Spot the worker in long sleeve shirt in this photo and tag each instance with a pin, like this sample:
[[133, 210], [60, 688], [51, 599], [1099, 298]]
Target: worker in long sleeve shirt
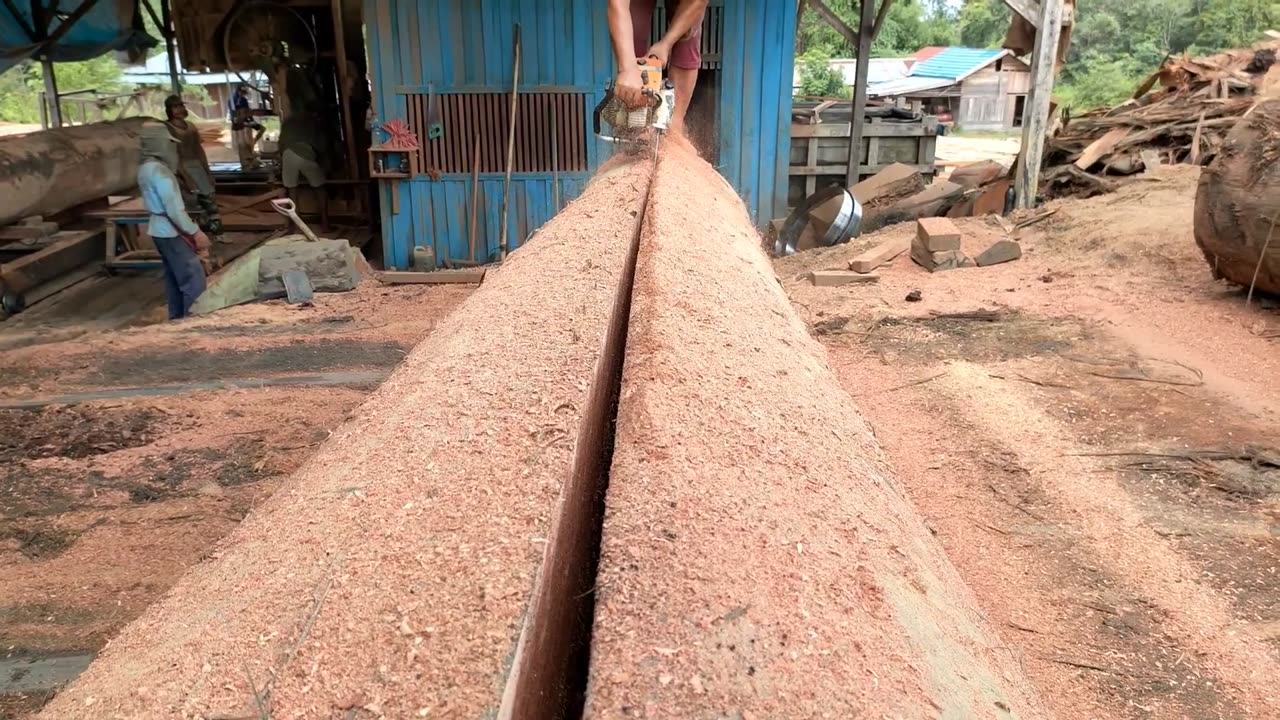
[[177, 237]]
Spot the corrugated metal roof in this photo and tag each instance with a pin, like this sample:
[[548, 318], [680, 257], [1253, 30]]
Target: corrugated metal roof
[[907, 86], [156, 72], [956, 63], [925, 53]]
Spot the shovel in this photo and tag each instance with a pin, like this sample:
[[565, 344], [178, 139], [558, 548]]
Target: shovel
[[285, 207]]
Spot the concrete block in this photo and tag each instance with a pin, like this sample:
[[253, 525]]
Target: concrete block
[[938, 234], [1002, 252]]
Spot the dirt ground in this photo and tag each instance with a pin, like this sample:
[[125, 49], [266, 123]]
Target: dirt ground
[[1096, 449], [104, 503]]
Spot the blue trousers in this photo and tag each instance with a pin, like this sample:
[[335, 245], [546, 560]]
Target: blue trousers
[[183, 275]]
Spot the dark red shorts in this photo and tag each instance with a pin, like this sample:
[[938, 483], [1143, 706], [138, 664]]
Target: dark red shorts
[[687, 53]]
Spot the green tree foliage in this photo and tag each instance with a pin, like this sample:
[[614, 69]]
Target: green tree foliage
[[21, 85], [1115, 43], [910, 25], [983, 23], [1118, 43], [818, 78]]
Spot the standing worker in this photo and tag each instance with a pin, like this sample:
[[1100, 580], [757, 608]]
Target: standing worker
[[303, 147], [183, 246], [193, 164], [246, 131], [680, 50]]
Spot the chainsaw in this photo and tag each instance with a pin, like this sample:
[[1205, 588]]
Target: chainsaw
[[630, 126]]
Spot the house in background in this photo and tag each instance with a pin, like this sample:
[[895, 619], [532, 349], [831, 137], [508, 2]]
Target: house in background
[[980, 89], [154, 75]]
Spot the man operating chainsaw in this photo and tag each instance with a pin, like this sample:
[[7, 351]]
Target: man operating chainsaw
[[680, 50]]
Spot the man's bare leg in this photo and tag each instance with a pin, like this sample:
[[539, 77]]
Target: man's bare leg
[[686, 81]]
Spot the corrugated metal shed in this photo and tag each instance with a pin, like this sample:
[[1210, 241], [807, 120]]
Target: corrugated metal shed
[[456, 56], [956, 63]]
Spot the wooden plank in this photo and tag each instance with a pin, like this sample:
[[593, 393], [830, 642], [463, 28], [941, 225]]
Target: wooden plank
[[869, 130], [467, 277], [1036, 120], [230, 203], [1196, 140], [880, 254], [1103, 146], [839, 170], [836, 278]]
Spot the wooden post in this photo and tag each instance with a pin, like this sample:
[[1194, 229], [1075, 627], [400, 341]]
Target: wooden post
[[51, 92], [344, 89], [1035, 121], [866, 34], [166, 18]]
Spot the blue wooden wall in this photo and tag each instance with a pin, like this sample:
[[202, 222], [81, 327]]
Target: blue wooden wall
[[465, 46]]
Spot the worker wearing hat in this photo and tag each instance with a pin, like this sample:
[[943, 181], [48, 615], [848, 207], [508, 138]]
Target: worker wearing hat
[[183, 246], [193, 164]]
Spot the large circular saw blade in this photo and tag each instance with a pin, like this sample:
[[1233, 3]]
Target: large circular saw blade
[[260, 36]]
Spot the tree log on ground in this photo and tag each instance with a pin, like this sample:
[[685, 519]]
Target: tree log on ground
[[1238, 203]]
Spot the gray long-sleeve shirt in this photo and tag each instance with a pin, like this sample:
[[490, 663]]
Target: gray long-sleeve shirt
[[163, 199]]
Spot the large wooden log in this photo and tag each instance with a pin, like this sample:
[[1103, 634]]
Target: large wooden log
[[46, 172], [758, 560], [390, 576], [1238, 203]]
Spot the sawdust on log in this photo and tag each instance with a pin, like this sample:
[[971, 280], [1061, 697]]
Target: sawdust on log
[[390, 574], [757, 559]]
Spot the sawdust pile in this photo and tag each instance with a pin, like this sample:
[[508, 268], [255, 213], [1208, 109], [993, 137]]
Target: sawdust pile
[[389, 576], [757, 560]]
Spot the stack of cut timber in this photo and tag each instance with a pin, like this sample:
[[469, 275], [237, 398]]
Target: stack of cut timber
[[1184, 119], [937, 245]]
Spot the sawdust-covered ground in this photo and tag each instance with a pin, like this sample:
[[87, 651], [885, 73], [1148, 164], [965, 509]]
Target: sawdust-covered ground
[[104, 503], [1099, 456]]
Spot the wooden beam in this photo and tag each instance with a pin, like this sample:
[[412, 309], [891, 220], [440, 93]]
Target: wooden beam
[[1044, 67], [166, 29], [820, 7], [1031, 11], [866, 28], [65, 26], [344, 89], [20, 20], [1028, 9], [880, 18], [51, 93], [473, 276]]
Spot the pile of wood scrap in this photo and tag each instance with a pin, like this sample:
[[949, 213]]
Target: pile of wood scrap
[[973, 190], [1181, 114], [898, 193]]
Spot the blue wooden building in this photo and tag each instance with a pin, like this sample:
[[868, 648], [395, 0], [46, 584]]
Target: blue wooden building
[[450, 62]]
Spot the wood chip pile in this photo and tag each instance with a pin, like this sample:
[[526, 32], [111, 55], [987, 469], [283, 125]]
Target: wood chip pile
[[1181, 114]]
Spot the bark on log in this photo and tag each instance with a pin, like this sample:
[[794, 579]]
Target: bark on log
[[1238, 202], [46, 172]]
